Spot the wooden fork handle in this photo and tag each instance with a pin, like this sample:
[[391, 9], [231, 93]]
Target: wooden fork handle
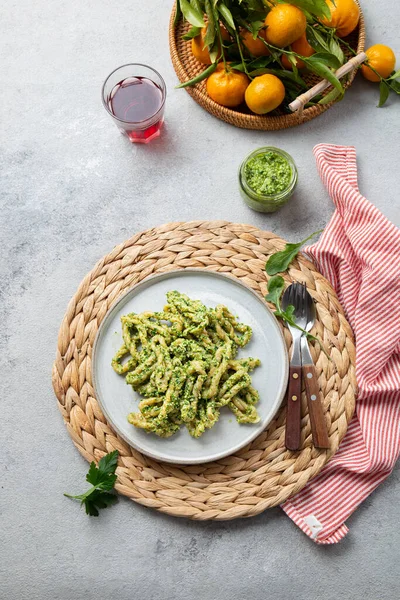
[[315, 409], [293, 410]]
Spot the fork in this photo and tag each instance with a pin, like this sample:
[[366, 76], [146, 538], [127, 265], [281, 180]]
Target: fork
[[293, 296], [319, 428]]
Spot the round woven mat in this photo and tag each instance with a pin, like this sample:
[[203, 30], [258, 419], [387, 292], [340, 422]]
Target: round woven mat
[[264, 473], [187, 66]]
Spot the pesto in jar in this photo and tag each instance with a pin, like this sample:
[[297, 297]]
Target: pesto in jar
[[268, 174]]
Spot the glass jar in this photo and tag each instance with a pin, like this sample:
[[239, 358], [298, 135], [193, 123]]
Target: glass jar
[[262, 202]]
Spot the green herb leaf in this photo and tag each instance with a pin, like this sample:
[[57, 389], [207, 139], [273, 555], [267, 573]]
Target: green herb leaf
[[279, 262], [292, 60], [281, 74], [198, 6], [384, 90], [288, 314], [326, 58], [192, 33], [178, 13], [331, 96], [102, 478], [316, 40], [319, 8], [335, 49], [395, 75], [260, 62], [215, 53], [108, 464], [255, 6], [191, 15], [255, 27], [395, 86], [206, 73], [323, 71], [97, 501], [209, 38], [276, 285], [227, 15]]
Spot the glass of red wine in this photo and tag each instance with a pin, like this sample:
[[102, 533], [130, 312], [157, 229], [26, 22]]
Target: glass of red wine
[[134, 95]]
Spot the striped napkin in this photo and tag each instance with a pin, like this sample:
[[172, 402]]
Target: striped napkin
[[359, 253]]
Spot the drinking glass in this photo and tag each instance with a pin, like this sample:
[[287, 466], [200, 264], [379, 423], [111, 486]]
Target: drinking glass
[[134, 96]]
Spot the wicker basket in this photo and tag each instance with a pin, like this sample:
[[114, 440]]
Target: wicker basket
[[187, 67]]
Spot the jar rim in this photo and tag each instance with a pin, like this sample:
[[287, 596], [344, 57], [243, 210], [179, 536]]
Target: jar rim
[[268, 197]]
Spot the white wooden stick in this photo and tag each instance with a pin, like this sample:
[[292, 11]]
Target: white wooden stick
[[300, 102]]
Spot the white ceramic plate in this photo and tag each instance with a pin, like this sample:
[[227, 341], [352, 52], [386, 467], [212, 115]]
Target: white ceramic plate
[[117, 399]]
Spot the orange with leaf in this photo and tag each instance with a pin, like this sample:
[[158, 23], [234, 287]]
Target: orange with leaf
[[301, 47], [200, 50], [255, 46], [345, 15], [285, 23], [382, 60], [227, 86]]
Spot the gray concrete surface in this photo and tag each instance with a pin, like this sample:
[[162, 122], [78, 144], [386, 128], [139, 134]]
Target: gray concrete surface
[[71, 189]]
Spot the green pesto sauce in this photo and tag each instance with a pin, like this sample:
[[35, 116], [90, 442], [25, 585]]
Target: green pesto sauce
[[268, 174]]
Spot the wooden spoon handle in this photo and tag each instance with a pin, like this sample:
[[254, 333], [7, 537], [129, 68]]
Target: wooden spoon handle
[[315, 409], [293, 410]]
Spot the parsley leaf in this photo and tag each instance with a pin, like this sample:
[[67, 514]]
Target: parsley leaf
[[102, 478]]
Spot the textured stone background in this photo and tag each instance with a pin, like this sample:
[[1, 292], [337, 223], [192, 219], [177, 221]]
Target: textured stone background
[[71, 189]]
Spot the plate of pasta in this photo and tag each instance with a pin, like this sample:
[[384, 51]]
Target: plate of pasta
[[189, 366]]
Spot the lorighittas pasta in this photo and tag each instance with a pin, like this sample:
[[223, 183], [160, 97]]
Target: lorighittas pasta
[[183, 362]]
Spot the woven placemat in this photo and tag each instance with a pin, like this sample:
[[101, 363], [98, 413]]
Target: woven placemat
[[264, 473], [187, 66]]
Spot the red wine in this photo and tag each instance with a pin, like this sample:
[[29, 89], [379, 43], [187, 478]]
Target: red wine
[[135, 99]]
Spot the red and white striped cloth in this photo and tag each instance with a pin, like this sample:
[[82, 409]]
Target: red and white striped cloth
[[359, 253]]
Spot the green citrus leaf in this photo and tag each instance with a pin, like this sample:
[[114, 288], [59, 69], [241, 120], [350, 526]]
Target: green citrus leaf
[[318, 8], [211, 32], [383, 93], [178, 13], [255, 27], [206, 73], [227, 15], [395, 75], [215, 52], [191, 15], [197, 5], [192, 33], [281, 74], [333, 95], [323, 71], [395, 86], [316, 40], [327, 58], [335, 49]]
